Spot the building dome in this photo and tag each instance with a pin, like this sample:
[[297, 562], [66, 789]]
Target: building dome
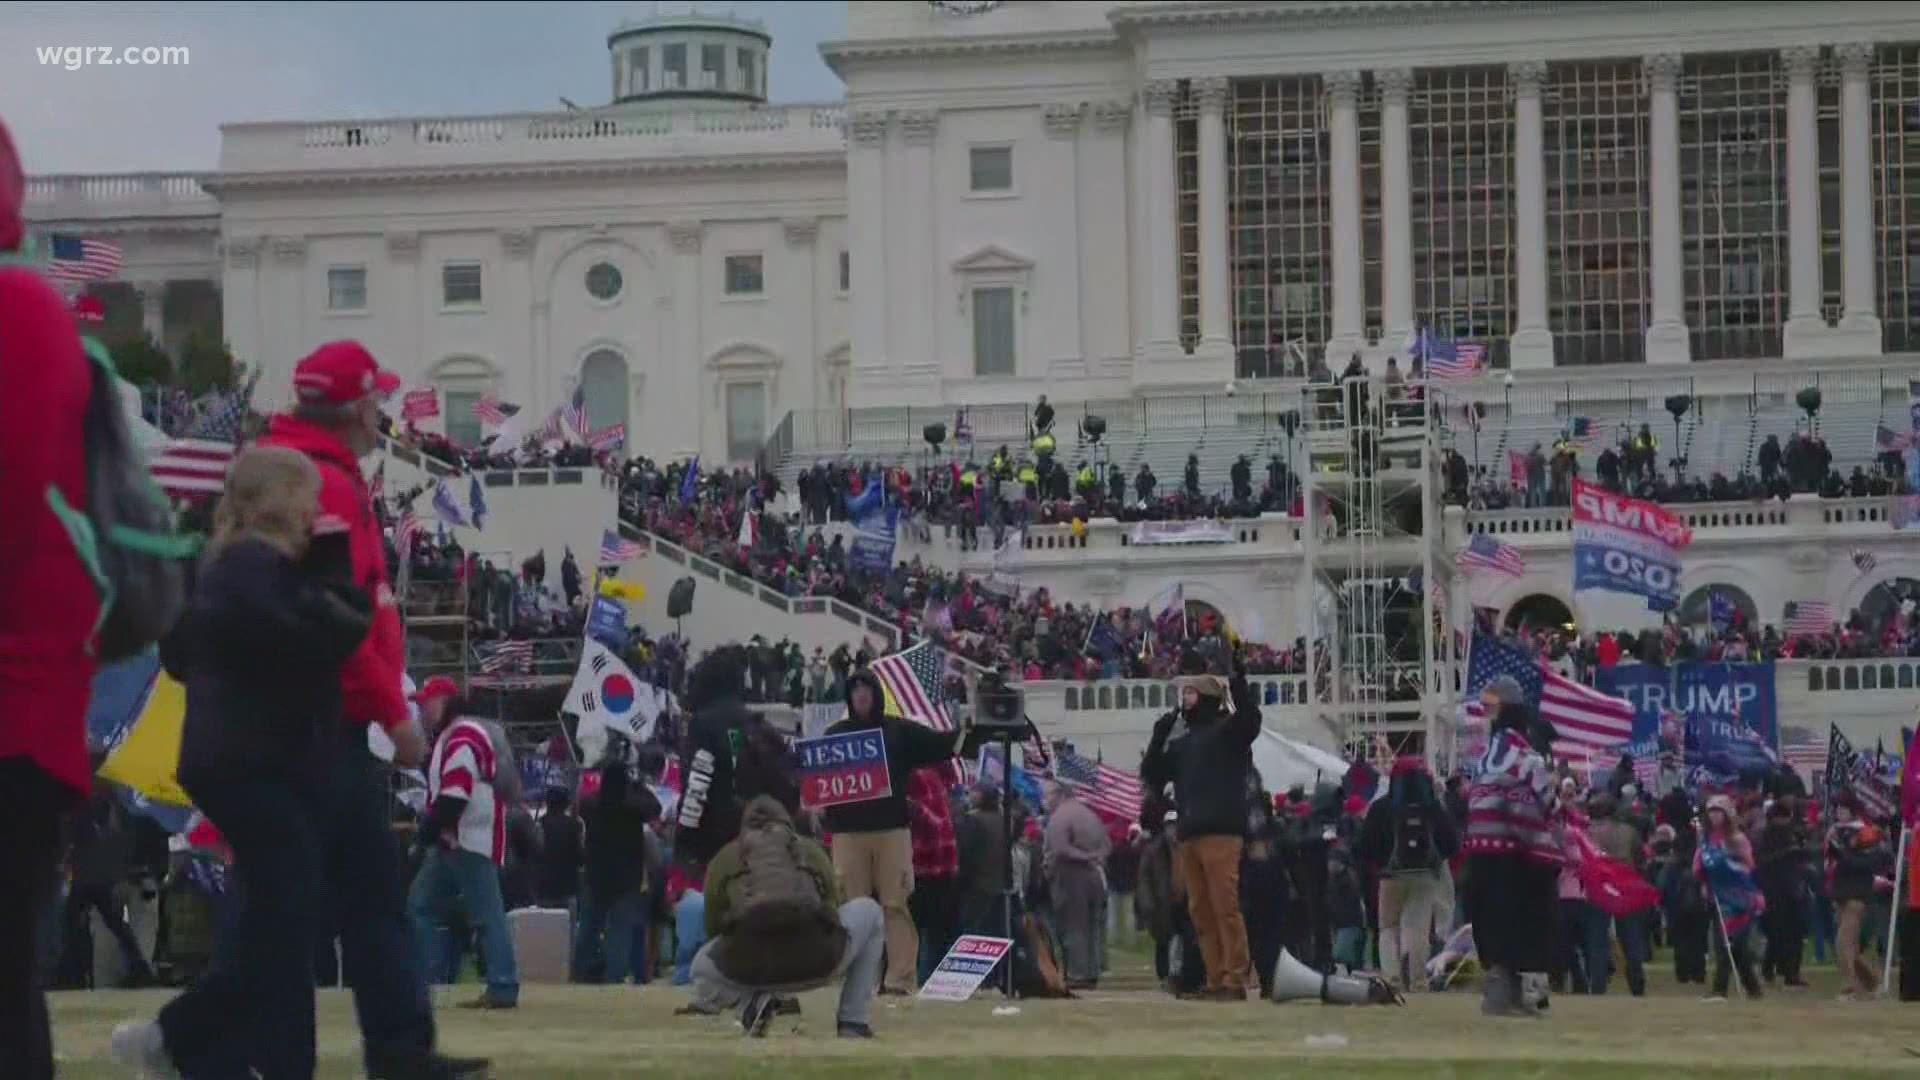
[[689, 56]]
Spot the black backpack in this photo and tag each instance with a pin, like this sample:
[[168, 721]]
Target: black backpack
[[124, 533], [1414, 848]]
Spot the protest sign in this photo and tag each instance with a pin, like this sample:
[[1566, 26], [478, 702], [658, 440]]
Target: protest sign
[[965, 967], [839, 769]]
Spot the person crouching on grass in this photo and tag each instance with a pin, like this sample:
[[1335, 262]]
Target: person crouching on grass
[[776, 926]]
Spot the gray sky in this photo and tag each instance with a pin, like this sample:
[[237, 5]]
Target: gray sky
[[297, 61]]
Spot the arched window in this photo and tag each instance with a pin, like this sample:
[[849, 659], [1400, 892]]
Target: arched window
[[1539, 610], [603, 378], [1697, 608]]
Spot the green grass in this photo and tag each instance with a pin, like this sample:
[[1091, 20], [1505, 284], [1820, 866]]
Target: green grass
[[581, 1033]]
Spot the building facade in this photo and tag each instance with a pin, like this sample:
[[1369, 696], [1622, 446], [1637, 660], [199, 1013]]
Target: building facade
[[1092, 200]]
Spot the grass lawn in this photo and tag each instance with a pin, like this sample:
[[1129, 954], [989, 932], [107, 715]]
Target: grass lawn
[[580, 1033]]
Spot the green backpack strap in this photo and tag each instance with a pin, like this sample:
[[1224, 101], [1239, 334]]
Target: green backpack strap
[[86, 545]]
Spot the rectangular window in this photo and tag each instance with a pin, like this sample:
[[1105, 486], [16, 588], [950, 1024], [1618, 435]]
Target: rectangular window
[[846, 271], [673, 64], [745, 276], [749, 76], [637, 74], [746, 420], [990, 168], [460, 285], [463, 428], [713, 66], [993, 331], [346, 288]]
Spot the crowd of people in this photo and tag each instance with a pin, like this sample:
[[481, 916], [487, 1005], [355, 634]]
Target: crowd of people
[[1543, 476]]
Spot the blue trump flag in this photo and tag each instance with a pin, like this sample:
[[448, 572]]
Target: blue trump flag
[[691, 481], [607, 623], [875, 524], [477, 503], [1727, 721]]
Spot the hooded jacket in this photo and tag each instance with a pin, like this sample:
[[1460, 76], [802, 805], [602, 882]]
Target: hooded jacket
[[910, 746], [370, 679], [48, 603], [1206, 755], [729, 755]]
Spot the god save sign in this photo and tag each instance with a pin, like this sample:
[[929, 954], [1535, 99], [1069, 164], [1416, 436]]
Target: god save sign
[[839, 769], [1626, 545]]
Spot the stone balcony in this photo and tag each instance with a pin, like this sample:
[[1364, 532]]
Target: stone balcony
[[530, 139], [119, 197], [1807, 518]]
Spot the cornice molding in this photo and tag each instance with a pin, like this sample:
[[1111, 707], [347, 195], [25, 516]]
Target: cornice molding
[[208, 226], [839, 54], [506, 171], [1192, 13]]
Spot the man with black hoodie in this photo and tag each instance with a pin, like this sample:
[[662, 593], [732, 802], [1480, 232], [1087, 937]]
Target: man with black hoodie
[[872, 847], [729, 754], [1206, 754]]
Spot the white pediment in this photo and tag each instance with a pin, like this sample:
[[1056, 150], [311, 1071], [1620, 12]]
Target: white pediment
[[993, 259]]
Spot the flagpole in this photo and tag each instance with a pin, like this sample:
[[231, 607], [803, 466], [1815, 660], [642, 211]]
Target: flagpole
[[1726, 942], [1893, 916]]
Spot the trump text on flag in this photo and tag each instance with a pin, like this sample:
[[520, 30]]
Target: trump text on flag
[[1626, 545], [839, 769]]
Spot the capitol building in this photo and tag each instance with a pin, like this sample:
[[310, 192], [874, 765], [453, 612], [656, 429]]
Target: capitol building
[[1096, 200]]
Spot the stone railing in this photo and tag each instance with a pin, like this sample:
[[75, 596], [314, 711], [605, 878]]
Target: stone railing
[[117, 195], [1808, 515], [531, 137]]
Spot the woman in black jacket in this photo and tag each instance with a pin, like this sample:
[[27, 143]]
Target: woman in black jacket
[[271, 620]]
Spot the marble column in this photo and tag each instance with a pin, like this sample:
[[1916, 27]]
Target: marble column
[[1396, 213], [1349, 332], [1859, 321], [689, 436], [1163, 237], [911, 277], [866, 241], [1216, 278], [803, 257], [1806, 324], [153, 311], [1667, 340], [1532, 343], [1064, 341]]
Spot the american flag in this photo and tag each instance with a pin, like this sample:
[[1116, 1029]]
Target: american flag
[[1583, 434], [1114, 794], [1804, 753], [611, 437], [1585, 721], [506, 656], [575, 411], [1448, 360], [1483, 552], [1808, 617], [73, 260], [912, 681], [194, 465], [405, 529], [1864, 561], [616, 549], [488, 411]]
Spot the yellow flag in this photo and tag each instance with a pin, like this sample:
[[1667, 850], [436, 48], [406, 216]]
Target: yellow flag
[[629, 592], [147, 759]]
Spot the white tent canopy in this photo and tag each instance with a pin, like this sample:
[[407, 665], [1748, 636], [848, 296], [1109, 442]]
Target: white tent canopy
[[1285, 763]]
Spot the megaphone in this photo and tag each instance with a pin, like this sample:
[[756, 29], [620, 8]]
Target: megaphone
[[1295, 981]]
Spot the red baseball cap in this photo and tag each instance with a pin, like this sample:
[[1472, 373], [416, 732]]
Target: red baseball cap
[[436, 688], [341, 372]]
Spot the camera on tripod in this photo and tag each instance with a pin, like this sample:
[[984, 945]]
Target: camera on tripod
[[997, 707]]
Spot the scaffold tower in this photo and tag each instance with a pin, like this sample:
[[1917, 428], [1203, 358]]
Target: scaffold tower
[[1374, 553]]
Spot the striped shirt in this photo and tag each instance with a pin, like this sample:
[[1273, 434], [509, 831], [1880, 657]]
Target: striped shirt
[[1506, 807], [463, 768]]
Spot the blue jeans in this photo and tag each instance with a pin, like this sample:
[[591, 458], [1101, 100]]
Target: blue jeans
[[620, 919], [1350, 946], [475, 881], [1633, 947], [689, 933], [1820, 926]]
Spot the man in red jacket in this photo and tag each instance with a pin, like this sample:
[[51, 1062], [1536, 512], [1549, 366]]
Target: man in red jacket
[[338, 390], [47, 611]]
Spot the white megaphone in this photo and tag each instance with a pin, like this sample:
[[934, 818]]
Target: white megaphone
[[1295, 981]]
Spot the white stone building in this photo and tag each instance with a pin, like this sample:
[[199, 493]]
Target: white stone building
[[1094, 200]]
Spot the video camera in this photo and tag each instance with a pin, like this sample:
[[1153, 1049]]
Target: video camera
[[997, 707]]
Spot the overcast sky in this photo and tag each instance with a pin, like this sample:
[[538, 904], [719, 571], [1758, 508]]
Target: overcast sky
[[296, 61]]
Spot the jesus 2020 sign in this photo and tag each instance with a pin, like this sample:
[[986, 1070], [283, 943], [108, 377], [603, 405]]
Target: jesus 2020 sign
[[839, 769]]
